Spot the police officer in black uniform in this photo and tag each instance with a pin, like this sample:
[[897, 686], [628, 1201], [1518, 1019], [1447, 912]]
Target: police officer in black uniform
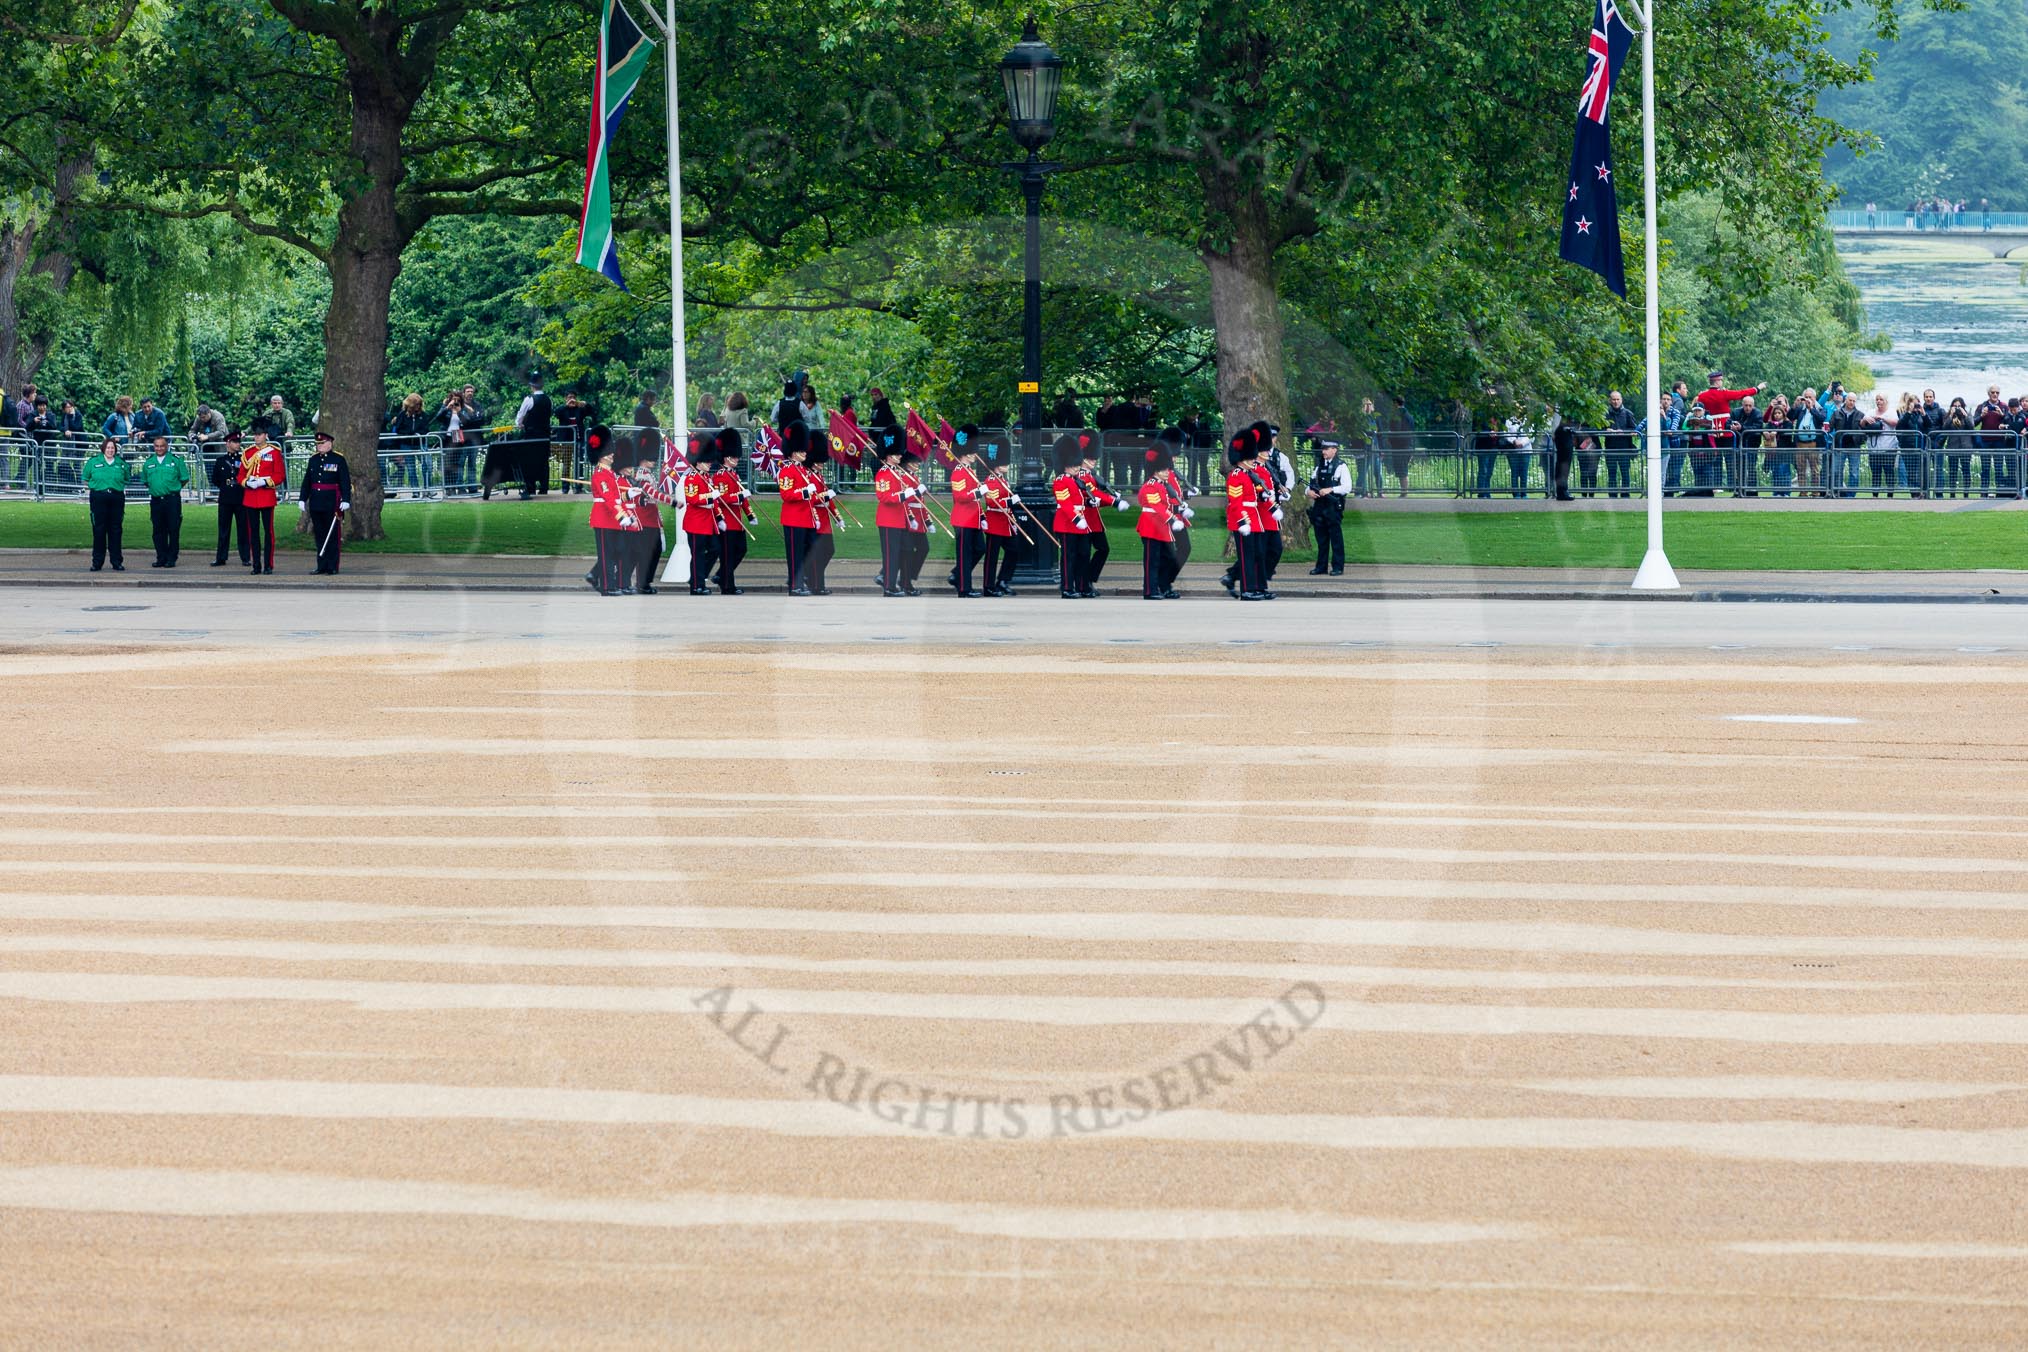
[[325, 494], [224, 477]]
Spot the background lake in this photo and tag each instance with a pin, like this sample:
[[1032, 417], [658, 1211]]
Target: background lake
[[1957, 315]]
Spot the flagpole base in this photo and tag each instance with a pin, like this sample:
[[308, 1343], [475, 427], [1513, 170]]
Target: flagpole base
[[1656, 574], [676, 563]]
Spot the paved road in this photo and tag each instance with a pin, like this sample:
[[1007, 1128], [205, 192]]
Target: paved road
[[400, 619]]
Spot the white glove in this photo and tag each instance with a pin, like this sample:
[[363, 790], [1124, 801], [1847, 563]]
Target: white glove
[[809, 493], [1189, 515], [830, 493], [1278, 516], [910, 492], [256, 482], [1245, 529], [344, 506], [930, 529], [302, 506]]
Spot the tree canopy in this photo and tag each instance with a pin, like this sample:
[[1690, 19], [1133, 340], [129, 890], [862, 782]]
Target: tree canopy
[[1261, 208]]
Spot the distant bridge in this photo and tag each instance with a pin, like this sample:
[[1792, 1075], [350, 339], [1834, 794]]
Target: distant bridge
[[1998, 241]]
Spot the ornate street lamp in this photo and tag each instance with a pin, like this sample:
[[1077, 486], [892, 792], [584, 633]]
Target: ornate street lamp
[[1032, 74]]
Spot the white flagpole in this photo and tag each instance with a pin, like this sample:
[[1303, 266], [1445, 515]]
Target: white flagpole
[[1655, 573], [677, 567]]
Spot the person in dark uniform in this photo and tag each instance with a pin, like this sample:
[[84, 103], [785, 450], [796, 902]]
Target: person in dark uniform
[[326, 494], [531, 429], [1330, 485], [225, 482], [105, 478]]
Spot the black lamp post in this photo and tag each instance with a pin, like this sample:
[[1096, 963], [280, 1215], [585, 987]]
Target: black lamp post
[[1032, 74]]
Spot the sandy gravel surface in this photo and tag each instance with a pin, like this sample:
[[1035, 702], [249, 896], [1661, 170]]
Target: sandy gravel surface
[[797, 995]]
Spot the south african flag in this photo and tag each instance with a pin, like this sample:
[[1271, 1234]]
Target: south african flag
[[623, 55]]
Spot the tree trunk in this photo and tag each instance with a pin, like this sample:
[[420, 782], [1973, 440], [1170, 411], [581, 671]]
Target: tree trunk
[[365, 259], [22, 352], [1246, 319]]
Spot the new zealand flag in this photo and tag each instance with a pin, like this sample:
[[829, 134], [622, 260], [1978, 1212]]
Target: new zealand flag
[[1591, 213]]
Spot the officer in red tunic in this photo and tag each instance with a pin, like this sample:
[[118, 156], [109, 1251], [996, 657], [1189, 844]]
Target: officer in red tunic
[[891, 495], [799, 487], [1163, 457], [968, 499], [260, 475], [648, 502], [1096, 495], [996, 515], [824, 546], [701, 512], [1277, 479], [1242, 517], [1073, 524], [609, 547], [1157, 534], [735, 513], [921, 525]]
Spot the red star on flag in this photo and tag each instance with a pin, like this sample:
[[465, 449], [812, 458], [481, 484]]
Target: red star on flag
[[1583, 226], [1573, 192], [1604, 173]]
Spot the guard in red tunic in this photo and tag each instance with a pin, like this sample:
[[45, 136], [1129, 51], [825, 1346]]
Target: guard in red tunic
[[1073, 523], [968, 500], [891, 515], [701, 512], [609, 557], [1097, 495], [1242, 517], [996, 515], [648, 500], [828, 520], [735, 512], [261, 473], [921, 525], [799, 487], [1163, 456]]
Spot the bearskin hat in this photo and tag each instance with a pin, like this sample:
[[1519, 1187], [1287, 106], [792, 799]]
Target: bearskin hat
[[598, 442], [1066, 454], [797, 438], [728, 443]]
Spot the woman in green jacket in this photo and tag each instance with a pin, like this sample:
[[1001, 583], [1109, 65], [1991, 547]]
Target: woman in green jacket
[[105, 480]]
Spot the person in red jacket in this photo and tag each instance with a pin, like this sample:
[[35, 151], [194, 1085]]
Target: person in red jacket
[[1161, 471], [648, 514], [1156, 536], [996, 514], [891, 514], [1096, 495], [1242, 517], [1073, 520], [260, 474], [734, 514], [823, 546], [1718, 402], [799, 487], [968, 500], [605, 513], [1163, 456], [701, 512], [921, 524]]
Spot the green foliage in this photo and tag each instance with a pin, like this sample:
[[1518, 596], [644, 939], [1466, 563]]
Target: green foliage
[[1945, 111], [1797, 332]]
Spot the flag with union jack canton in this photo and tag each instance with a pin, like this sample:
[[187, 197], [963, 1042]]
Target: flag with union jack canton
[[1591, 211], [767, 454]]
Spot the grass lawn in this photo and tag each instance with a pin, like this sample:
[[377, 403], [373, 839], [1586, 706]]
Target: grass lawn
[[1574, 538]]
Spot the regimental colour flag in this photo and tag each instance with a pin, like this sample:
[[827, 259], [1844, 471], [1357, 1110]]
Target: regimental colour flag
[[623, 54], [848, 439], [1591, 212]]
